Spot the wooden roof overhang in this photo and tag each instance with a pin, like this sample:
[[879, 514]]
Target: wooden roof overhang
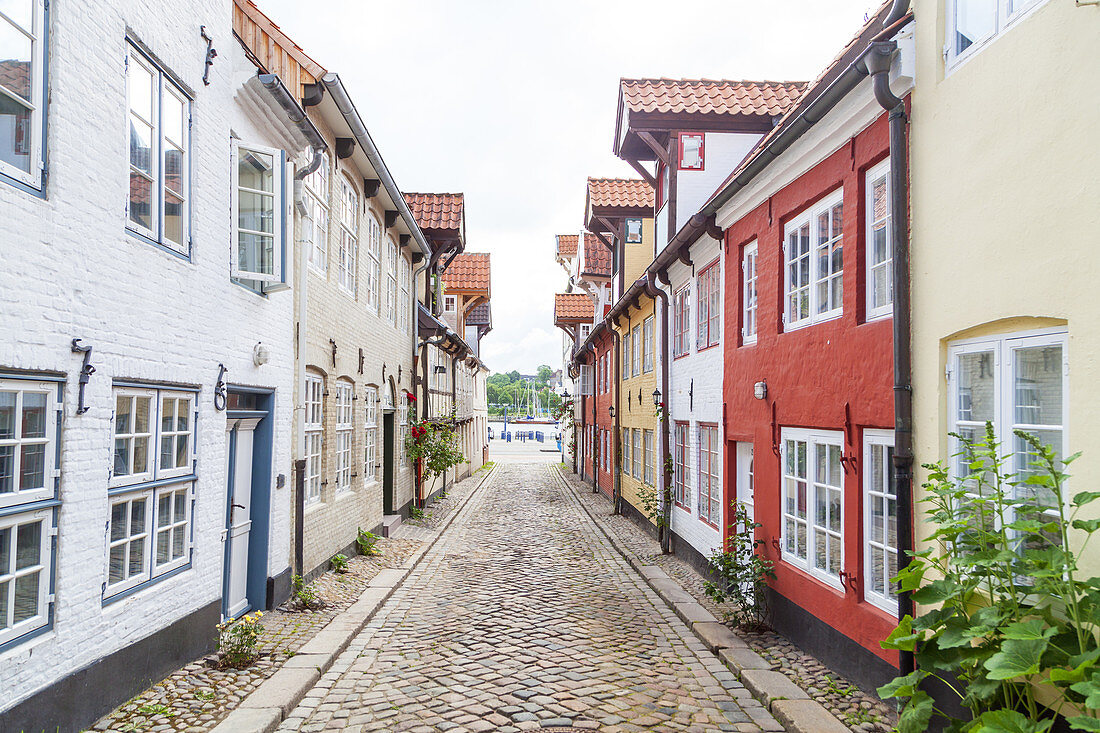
[[644, 136]]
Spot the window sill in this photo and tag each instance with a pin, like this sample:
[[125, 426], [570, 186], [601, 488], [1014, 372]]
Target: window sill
[[31, 634], [708, 347], [709, 523], [880, 316], [159, 245], [748, 342], [797, 564], [17, 181], [823, 318], [109, 600]]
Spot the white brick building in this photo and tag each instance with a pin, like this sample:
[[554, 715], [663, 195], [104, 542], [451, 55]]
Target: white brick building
[[131, 539]]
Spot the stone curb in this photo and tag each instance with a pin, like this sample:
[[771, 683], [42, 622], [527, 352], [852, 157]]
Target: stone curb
[[790, 704], [269, 704]]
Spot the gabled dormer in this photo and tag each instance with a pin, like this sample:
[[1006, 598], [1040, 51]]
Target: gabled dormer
[[594, 272], [466, 285], [619, 213], [684, 136]]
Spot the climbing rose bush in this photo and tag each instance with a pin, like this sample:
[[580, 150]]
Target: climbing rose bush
[[435, 444]]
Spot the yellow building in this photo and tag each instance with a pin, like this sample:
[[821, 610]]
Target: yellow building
[[1006, 228]]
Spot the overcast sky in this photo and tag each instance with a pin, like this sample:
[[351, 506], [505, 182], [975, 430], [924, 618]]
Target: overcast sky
[[512, 102]]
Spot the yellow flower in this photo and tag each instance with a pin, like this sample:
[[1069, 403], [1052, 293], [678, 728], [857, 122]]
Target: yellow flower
[[259, 613]]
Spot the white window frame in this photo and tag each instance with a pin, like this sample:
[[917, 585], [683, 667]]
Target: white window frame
[[278, 226], [585, 330], [162, 84], [314, 429], [708, 315], [36, 104], [871, 225], [1006, 17], [878, 487], [647, 345], [1004, 348], [391, 280], [9, 630], [450, 303], [626, 354], [710, 474], [750, 274], [636, 435], [648, 467], [808, 219], [681, 465], [625, 445], [636, 344], [317, 205], [347, 261], [406, 289], [370, 434], [150, 530], [189, 464], [345, 426], [632, 229], [814, 440], [154, 471], [681, 321], [50, 469], [176, 523], [132, 436]]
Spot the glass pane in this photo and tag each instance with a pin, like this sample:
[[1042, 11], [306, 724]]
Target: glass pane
[[140, 84], [1038, 385], [891, 523], [22, 12], [16, 145], [5, 555], [181, 450], [834, 511], [141, 146], [791, 532], [178, 537], [173, 217], [28, 545], [891, 571], [838, 220], [141, 455], [256, 212], [183, 414], [181, 505], [141, 200], [801, 490], [122, 415], [163, 539], [7, 469], [137, 557], [834, 555], [34, 415], [974, 20], [7, 415], [800, 548], [137, 517], [976, 386], [835, 471], [4, 604], [15, 69], [878, 570], [173, 121], [256, 253], [164, 510], [32, 467], [821, 510], [122, 456], [141, 416], [255, 170], [878, 518], [118, 522], [883, 285], [26, 597], [116, 570]]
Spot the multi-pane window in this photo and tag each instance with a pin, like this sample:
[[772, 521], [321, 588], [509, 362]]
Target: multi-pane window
[[28, 435], [1015, 382], [159, 121], [391, 281], [345, 391], [972, 23], [637, 435], [348, 249], [314, 429], [633, 231], [710, 469], [814, 254], [316, 219], [586, 328], [29, 414], [405, 303], [813, 495], [450, 303], [680, 465], [681, 320], [880, 250], [22, 90], [647, 447], [880, 519], [257, 213], [370, 434], [150, 513], [636, 344], [647, 336], [748, 293], [625, 446], [709, 313], [626, 355]]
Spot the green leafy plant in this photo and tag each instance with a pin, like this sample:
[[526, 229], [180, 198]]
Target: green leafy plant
[[303, 593], [339, 563], [1010, 626], [652, 505], [435, 444], [153, 710], [416, 512], [741, 574], [205, 695], [367, 542], [238, 639]]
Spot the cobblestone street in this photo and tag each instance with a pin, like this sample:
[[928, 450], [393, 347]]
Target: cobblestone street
[[522, 616]]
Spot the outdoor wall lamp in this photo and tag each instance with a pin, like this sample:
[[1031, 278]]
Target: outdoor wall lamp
[[656, 398], [260, 354], [760, 390], [611, 411]]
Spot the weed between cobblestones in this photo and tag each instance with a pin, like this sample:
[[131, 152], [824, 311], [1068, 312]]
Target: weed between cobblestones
[[860, 711]]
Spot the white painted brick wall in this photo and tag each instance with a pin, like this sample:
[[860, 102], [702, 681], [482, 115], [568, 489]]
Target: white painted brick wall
[[706, 369], [70, 270], [722, 152]]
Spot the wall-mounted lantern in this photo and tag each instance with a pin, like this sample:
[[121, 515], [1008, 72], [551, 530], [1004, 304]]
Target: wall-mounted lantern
[[656, 397], [760, 390], [260, 354], [611, 411]]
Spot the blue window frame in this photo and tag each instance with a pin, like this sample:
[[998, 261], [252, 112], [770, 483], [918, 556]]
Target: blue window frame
[[24, 29]]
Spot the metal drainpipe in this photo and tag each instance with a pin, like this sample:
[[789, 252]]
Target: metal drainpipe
[[595, 468], [617, 470], [419, 499], [666, 499], [878, 59]]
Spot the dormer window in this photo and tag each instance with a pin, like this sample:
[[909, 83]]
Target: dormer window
[[691, 151], [448, 304], [633, 231]]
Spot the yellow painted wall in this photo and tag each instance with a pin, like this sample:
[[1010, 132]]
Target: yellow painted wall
[[1005, 200], [633, 415], [638, 256]]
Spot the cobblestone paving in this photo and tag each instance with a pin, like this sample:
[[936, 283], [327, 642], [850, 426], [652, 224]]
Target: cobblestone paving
[[522, 617], [862, 712], [196, 697]]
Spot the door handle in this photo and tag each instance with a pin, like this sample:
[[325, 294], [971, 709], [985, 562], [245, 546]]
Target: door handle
[[237, 506]]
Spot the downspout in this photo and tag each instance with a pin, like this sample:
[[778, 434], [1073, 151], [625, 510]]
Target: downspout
[[878, 59], [595, 442], [665, 533], [419, 498], [617, 470]]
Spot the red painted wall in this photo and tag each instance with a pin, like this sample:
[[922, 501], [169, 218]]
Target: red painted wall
[[605, 345], [816, 375]]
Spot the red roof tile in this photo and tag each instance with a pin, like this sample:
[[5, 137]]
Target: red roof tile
[[597, 257], [480, 316], [709, 96], [620, 192], [436, 210], [468, 271], [573, 307], [567, 245], [16, 77]]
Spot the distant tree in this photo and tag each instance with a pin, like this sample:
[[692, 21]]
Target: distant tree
[[513, 376]]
